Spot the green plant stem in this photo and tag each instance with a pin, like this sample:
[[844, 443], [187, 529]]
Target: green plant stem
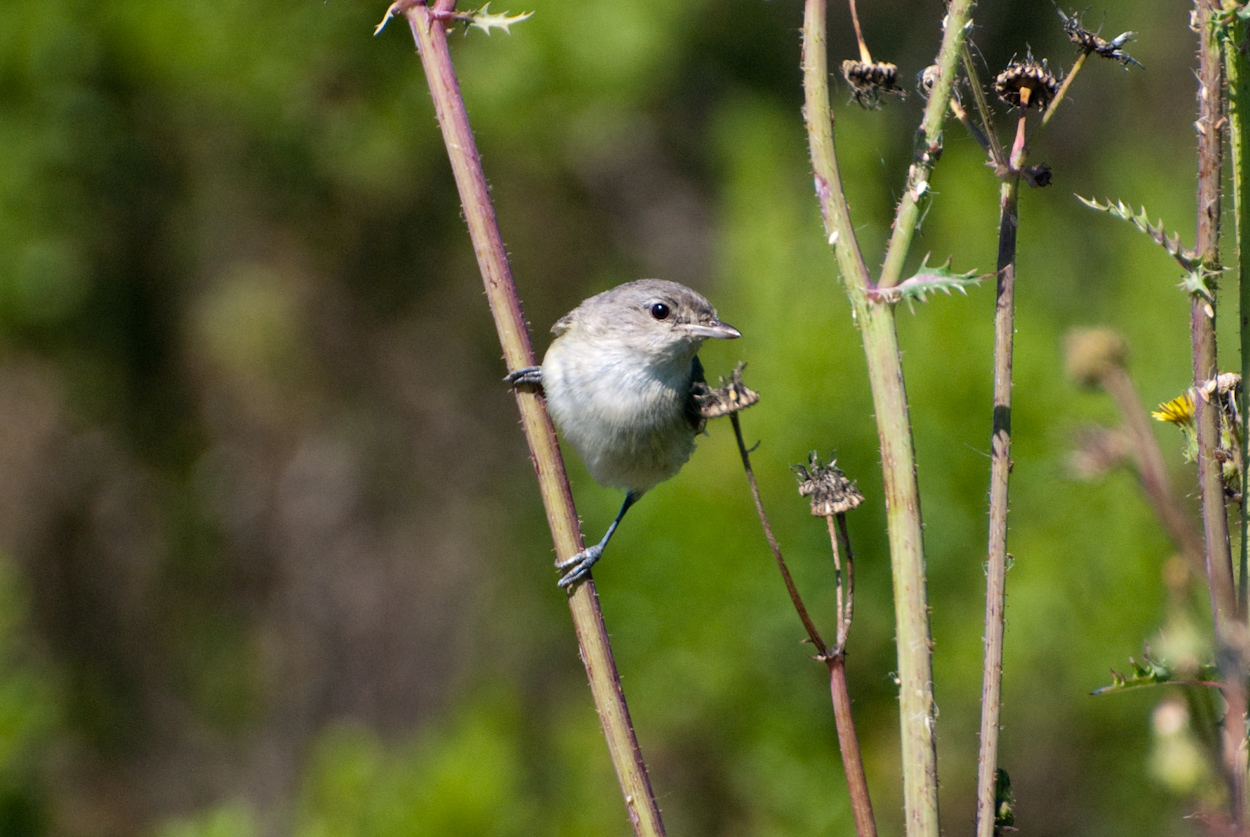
[[917, 712], [430, 34], [1205, 367], [907, 214], [819, 119], [1000, 475]]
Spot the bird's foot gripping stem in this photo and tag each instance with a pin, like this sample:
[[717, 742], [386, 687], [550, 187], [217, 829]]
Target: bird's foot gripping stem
[[526, 376], [578, 567]]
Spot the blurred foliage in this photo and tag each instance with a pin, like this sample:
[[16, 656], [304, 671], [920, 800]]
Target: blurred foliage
[[271, 561]]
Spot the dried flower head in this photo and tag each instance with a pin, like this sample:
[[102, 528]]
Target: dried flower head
[[1224, 389], [1091, 42], [729, 397], [1030, 75], [869, 79], [831, 492]]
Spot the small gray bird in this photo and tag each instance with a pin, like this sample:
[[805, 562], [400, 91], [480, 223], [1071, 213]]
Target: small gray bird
[[620, 381]]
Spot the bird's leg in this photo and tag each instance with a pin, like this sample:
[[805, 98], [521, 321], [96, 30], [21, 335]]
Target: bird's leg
[[529, 375], [578, 567]]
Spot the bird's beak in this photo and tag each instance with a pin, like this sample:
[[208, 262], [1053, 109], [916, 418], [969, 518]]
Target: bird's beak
[[715, 329]]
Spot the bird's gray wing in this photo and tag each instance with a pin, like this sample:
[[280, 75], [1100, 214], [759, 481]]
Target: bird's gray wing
[[698, 386]]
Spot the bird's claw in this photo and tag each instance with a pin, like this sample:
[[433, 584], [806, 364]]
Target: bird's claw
[[526, 376], [578, 567]]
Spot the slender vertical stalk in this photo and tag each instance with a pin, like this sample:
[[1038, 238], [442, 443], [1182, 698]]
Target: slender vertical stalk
[[1202, 313], [848, 742], [907, 214], [428, 28], [1202, 329], [917, 712], [1000, 473], [834, 659], [1238, 126], [848, 745], [916, 707]]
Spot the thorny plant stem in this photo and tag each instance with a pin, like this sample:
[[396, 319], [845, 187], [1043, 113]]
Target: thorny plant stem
[[1000, 475], [1009, 169], [1202, 325], [1239, 134], [907, 214], [834, 659], [428, 28], [917, 712]]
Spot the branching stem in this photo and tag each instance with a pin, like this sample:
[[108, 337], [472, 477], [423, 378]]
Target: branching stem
[[833, 658], [917, 711]]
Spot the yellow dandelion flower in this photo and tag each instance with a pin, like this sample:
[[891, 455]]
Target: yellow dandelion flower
[[1178, 411]]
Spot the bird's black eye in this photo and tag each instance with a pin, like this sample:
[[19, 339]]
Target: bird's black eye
[[660, 311]]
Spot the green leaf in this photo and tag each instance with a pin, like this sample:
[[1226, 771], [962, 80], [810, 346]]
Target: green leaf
[[926, 281], [1188, 258], [1152, 672]]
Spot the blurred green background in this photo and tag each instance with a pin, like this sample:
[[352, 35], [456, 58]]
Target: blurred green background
[[271, 556]]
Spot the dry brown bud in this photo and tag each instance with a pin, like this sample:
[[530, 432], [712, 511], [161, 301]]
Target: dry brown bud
[[869, 80], [1028, 75], [831, 492], [729, 397]]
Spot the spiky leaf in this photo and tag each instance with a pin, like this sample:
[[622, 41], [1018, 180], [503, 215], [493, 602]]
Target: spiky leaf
[[1188, 258], [1152, 672], [484, 20], [926, 281]]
